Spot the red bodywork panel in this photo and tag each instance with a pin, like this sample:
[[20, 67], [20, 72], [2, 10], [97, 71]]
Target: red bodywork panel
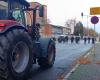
[[6, 23]]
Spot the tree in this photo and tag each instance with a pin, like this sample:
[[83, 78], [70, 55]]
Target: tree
[[78, 29], [89, 32], [92, 33]]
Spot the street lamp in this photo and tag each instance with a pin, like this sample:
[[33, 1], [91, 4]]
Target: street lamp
[[87, 22]]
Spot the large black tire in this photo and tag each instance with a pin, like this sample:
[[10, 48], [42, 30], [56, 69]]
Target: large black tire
[[15, 46], [48, 61]]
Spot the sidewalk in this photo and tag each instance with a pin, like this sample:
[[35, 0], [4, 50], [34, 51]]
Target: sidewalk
[[89, 67]]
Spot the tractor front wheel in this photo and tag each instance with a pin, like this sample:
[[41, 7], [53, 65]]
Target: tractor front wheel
[[48, 61]]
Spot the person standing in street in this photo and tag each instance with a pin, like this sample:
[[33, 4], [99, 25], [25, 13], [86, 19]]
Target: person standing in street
[[66, 39], [85, 40], [89, 40], [72, 39], [93, 40], [77, 38]]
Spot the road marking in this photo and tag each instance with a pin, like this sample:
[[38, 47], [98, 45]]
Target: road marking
[[87, 54], [76, 66]]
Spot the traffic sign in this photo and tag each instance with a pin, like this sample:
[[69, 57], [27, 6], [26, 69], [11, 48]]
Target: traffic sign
[[94, 10], [94, 20]]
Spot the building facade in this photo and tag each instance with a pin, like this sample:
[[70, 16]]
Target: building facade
[[66, 30], [71, 23], [60, 30]]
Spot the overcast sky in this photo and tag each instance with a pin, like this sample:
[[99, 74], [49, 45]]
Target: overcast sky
[[61, 10]]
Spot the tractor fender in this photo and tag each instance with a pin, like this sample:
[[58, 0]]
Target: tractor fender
[[6, 25], [13, 27], [44, 43]]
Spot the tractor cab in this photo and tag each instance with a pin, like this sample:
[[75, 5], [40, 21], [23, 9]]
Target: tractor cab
[[12, 10], [19, 10], [8, 8]]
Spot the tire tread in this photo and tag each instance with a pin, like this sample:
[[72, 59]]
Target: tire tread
[[5, 42]]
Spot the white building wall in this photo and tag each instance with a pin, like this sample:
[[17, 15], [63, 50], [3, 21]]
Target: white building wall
[[71, 24]]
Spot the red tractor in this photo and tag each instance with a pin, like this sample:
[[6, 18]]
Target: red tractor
[[20, 43]]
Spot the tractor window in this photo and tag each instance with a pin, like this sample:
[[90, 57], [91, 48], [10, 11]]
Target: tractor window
[[3, 10], [17, 15], [17, 12]]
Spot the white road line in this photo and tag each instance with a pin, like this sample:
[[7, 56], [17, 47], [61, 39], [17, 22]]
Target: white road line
[[66, 77], [87, 54], [74, 68]]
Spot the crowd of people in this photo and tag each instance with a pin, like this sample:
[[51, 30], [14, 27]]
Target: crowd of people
[[75, 39], [89, 39]]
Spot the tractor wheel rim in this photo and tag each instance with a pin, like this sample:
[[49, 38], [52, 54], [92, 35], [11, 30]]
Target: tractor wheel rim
[[20, 57]]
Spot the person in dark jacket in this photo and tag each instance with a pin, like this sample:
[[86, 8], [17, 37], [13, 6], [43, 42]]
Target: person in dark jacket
[[72, 39], [77, 39], [66, 39], [85, 40], [89, 39], [93, 40]]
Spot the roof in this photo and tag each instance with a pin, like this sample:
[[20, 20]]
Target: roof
[[23, 2], [34, 4], [59, 26]]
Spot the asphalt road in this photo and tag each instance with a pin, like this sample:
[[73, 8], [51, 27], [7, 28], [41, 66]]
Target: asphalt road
[[66, 54]]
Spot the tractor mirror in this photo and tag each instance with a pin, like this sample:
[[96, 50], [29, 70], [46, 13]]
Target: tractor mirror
[[41, 11]]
